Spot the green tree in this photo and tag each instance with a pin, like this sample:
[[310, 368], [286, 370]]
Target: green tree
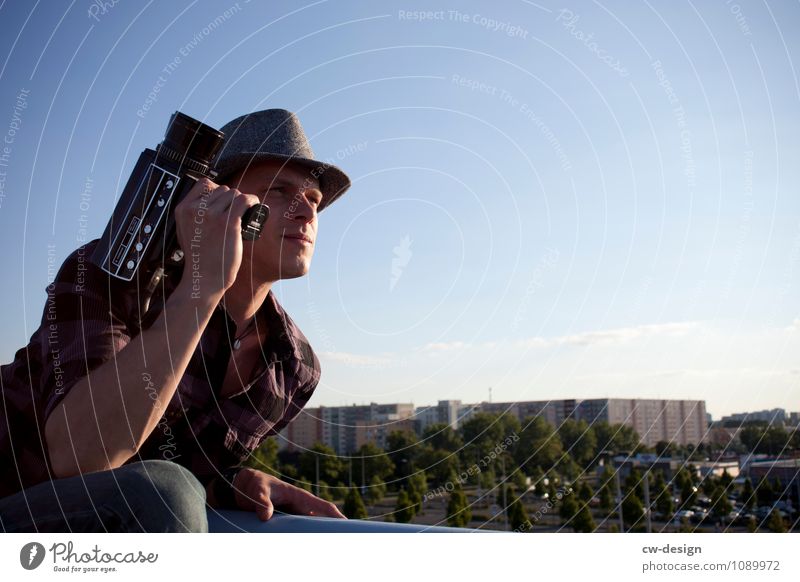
[[568, 509], [748, 495], [688, 494], [663, 496], [568, 468], [776, 440], [751, 436], [764, 493], [708, 485], [404, 511], [265, 458], [578, 440], [520, 481], [458, 511], [777, 489], [375, 491], [442, 437], [720, 506], [583, 522], [417, 487], [684, 481], [539, 446], [606, 493], [614, 438], [402, 448], [775, 522], [323, 491], [632, 511], [440, 466], [634, 483], [517, 516], [486, 437], [763, 439], [487, 479], [369, 461], [353, 505], [585, 492], [324, 457], [665, 448]]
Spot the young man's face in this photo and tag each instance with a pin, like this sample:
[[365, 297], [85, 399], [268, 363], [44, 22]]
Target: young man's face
[[287, 240]]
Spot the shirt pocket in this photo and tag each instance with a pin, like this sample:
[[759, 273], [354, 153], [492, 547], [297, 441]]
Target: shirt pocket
[[250, 415]]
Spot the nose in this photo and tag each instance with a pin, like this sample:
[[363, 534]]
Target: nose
[[306, 209]]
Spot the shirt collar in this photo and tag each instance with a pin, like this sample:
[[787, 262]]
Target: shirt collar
[[280, 343]]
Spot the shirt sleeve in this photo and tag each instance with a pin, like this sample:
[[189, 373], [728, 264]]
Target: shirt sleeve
[[295, 406], [82, 328]]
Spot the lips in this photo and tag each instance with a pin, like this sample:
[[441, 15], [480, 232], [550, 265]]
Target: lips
[[299, 237]]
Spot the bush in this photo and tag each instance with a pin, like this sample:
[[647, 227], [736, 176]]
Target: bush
[[354, 505]]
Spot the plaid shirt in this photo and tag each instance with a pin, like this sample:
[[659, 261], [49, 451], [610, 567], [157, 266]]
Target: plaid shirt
[[81, 329]]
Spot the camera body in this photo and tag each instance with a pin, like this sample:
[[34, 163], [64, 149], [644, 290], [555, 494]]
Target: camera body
[[140, 239]]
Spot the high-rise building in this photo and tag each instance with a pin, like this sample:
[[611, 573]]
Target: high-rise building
[[449, 412], [303, 432], [678, 421], [346, 428], [774, 416]]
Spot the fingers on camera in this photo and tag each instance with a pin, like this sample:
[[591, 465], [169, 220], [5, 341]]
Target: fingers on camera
[[241, 203], [220, 199], [204, 187]]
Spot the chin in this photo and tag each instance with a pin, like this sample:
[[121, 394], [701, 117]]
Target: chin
[[293, 271]]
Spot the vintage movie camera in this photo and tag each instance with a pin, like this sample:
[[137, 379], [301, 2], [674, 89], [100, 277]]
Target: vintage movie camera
[[140, 239]]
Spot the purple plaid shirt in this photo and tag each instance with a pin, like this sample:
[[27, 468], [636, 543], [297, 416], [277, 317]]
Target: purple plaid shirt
[[81, 329]]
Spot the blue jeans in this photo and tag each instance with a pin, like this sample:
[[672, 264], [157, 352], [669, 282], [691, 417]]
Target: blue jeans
[[148, 496]]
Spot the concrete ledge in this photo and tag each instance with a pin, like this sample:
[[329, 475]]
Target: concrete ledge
[[247, 522]]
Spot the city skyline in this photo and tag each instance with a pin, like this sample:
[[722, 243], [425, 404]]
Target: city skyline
[[751, 415]]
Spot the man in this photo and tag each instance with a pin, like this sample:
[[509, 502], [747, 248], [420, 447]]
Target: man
[[115, 421]]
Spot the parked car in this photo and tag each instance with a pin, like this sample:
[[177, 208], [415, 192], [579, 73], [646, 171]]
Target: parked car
[[699, 516], [761, 512], [734, 517], [683, 513]]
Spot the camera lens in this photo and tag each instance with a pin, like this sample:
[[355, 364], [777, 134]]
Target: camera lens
[[193, 139]]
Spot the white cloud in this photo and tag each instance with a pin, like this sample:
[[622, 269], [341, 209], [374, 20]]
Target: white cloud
[[358, 360]]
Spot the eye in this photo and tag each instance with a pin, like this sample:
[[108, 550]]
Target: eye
[[276, 190]]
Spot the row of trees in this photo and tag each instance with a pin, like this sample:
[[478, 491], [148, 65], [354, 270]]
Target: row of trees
[[488, 450], [686, 488], [771, 440]]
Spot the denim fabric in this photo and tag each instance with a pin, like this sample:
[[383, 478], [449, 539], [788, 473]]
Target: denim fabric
[[148, 496]]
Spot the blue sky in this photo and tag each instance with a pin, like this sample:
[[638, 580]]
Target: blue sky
[[561, 200]]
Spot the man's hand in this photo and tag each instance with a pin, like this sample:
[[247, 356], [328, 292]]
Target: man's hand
[[209, 229], [259, 492]]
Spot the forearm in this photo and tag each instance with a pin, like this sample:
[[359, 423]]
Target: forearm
[[106, 417]]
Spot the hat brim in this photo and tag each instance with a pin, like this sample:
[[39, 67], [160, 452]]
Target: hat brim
[[333, 182]]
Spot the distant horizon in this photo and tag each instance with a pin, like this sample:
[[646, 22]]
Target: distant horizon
[[473, 403]]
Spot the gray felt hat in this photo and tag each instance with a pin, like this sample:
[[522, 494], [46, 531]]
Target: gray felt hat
[[276, 134]]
